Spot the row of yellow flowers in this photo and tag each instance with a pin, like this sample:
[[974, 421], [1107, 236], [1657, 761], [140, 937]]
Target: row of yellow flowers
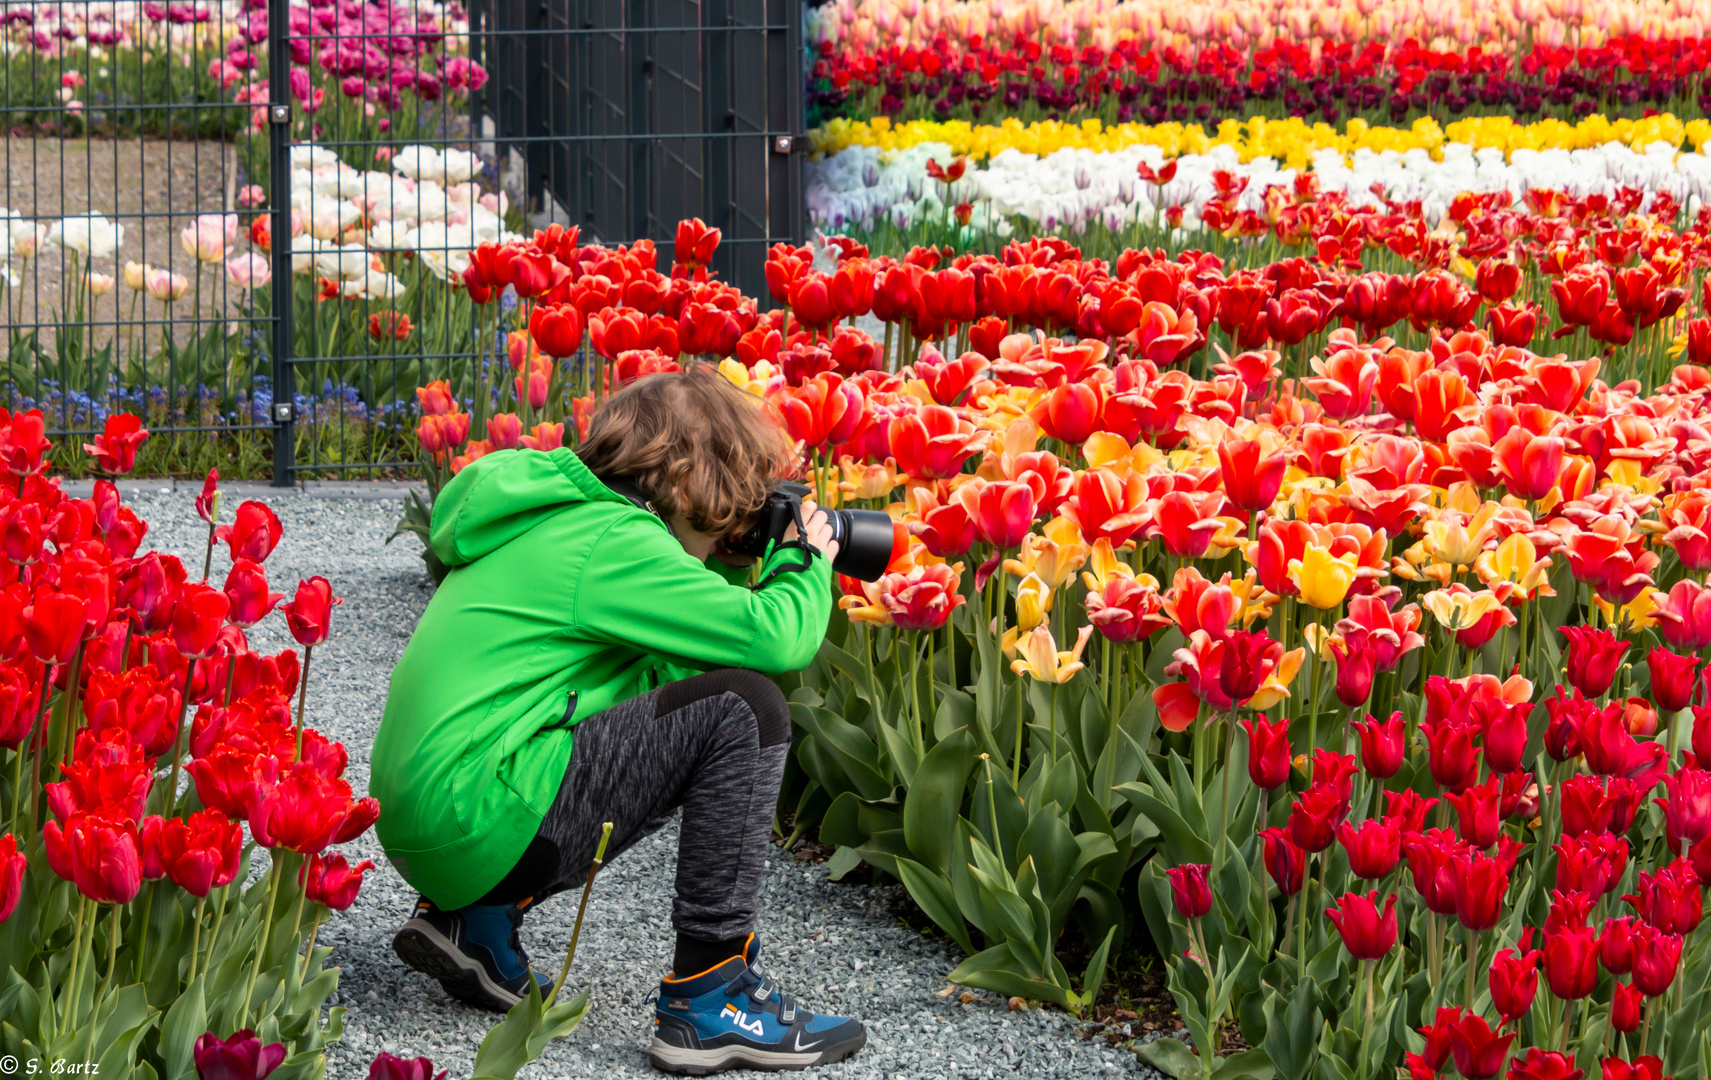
[[1293, 141]]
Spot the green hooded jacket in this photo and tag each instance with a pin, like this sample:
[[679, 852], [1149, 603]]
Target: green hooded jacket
[[559, 587]]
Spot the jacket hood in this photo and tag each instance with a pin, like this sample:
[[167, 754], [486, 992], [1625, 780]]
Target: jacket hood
[[501, 496]]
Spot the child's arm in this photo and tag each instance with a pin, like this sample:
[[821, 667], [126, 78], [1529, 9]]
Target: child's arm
[[640, 588]]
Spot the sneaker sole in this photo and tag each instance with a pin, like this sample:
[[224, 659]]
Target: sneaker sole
[[427, 950], [689, 1061]]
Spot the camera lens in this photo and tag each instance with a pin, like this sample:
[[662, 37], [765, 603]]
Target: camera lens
[[864, 543]]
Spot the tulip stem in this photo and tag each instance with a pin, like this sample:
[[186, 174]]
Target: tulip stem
[[302, 695], [309, 953], [1646, 1027], [1567, 1023], [1371, 978], [1301, 940], [219, 924], [1313, 717], [208, 556], [35, 744], [195, 941], [178, 740], [69, 994], [1472, 964], [1229, 767], [274, 873], [581, 908], [113, 929]]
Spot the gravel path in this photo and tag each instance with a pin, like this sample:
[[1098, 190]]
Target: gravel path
[[838, 947]]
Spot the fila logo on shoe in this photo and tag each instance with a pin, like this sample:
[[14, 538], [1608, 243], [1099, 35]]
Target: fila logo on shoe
[[741, 1019]]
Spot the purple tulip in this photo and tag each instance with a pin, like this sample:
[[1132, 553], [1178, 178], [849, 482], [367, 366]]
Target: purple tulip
[[241, 1057]]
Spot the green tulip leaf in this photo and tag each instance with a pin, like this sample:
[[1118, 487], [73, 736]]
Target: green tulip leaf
[[1172, 1057], [933, 893]]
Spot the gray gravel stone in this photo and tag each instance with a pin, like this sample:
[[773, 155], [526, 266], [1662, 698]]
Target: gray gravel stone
[[838, 947]]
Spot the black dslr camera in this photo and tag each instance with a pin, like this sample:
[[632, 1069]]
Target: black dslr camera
[[863, 536]]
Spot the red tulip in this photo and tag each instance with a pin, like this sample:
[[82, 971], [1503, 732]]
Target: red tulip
[[305, 811], [1450, 753], [1251, 477], [1544, 1065], [1529, 464], [1373, 848], [246, 590], [1672, 677], [1408, 809], [1590, 863], [933, 442], [330, 880], [197, 618], [100, 855], [1315, 815], [557, 329], [1571, 962], [1625, 1002], [1684, 616], [1070, 412], [1477, 815], [23, 443], [1431, 861], [1004, 513], [1437, 1050], [1356, 664], [1513, 326], [1687, 811], [695, 243], [1478, 1051], [811, 301], [54, 625], [201, 852], [1497, 280], [231, 780], [1186, 521], [1481, 882], [254, 532], [1248, 659], [1594, 655], [1381, 745], [1657, 954], [114, 788], [1514, 979], [1669, 898], [1366, 933], [12, 865], [115, 449], [1189, 890], [1649, 1067], [1268, 752], [1284, 860], [1106, 506], [309, 614]]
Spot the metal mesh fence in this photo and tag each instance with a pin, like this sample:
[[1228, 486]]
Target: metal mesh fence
[[248, 221], [128, 285]]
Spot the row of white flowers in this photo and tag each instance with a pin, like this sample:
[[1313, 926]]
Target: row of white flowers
[[1070, 189]]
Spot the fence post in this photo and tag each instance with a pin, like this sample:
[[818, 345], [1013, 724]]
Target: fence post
[[279, 186]]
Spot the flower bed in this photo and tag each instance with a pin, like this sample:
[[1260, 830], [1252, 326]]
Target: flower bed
[[1279, 614]]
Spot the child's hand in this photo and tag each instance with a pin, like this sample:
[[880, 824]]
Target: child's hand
[[819, 530]]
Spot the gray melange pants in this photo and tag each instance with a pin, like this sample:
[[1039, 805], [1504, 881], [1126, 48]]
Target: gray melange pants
[[715, 745]]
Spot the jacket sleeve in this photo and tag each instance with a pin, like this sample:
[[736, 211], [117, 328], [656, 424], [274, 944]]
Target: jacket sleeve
[[640, 588]]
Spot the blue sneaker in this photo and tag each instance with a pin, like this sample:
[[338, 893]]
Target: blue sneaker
[[475, 952], [734, 1016]]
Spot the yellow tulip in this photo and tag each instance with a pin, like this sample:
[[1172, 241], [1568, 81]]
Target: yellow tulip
[[1042, 661], [1322, 578], [868, 607], [1635, 615], [1458, 607], [1450, 541], [1053, 558], [1516, 561], [864, 480]]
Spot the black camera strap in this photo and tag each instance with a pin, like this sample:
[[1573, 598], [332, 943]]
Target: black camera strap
[[800, 543]]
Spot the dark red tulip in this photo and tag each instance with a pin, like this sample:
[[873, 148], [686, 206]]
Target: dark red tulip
[[1616, 945], [1437, 1051], [239, 1057], [332, 881], [1477, 811], [1657, 954], [1373, 848], [1571, 962], [12, 863], [1268, 752], [1514, 978], [1367, 933], [1668, 898], [100, 855], [387, 1067], [1687, 811], [1649, 1067], [1544, 1065], [1314, 818], [1594, 655], [1382, 745], [201, 852], [1451, 757], [1585, 806], [1505, 738], [1478, 1051], [1672, 679], [1189, 890], [246, 589], [1481, 882], [1408, 809], [1625, 1002], [1431, 861], [1284, 860], [1249, 658]]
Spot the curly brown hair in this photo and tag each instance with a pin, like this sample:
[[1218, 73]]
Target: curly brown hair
[[694, 444]]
